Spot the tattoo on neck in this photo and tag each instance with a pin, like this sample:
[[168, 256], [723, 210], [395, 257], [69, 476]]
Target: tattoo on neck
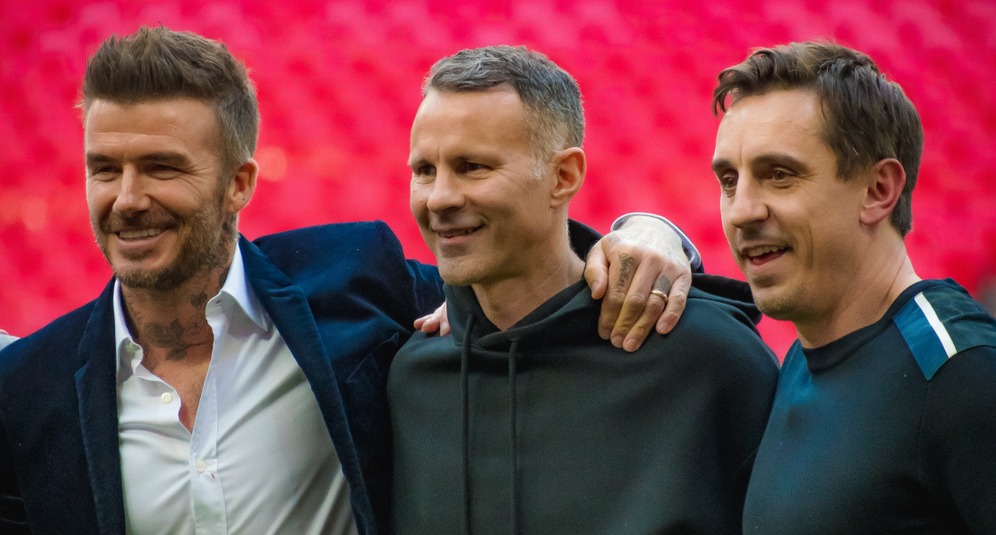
[[170, 338], [199, 300]]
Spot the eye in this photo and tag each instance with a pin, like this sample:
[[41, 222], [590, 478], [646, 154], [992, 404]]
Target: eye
[[781, 175], [161, 170], [102, 172], [473, 167], [423, 171], [727, 182]]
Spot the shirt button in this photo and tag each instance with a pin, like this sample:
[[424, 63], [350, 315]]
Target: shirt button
[[166, 397], [201, 467]]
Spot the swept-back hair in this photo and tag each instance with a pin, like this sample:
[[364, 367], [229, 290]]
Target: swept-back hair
[[158, 63], [867, 117]]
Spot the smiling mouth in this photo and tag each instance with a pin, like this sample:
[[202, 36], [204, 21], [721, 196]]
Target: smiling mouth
[[763, 253], [139, 234], [455, 233]]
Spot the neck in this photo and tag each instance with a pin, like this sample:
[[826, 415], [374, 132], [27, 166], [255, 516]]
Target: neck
[[506, 302], [879, 282], [168, 324]]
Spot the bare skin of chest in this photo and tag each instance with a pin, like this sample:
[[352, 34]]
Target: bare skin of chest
[[185, 373]]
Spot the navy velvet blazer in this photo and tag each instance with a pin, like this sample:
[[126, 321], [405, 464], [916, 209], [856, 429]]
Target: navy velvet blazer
[[342, 296]]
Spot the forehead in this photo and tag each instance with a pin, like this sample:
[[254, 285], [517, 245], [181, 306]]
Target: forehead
[[495, 115], [782, 120], [151, 124]]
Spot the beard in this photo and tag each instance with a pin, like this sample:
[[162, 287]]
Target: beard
[[203, 247]]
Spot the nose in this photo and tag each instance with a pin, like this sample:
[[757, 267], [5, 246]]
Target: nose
[[133, 195], [746, 205], [445, 193]]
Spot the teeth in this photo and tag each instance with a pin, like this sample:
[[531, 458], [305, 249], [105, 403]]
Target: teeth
[[453, 233], [136, 234], [764, 249]]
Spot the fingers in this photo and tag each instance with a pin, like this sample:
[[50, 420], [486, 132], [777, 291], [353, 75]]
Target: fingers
[[636, 287], [662, 287], [436, 322], [444, 321], [677, 299], [620, 273], [644, 325], [626, 300], [596, 272], [427, 324], [642, 296]]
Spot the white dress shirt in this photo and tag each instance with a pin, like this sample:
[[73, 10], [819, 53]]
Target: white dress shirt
[[259, 459]]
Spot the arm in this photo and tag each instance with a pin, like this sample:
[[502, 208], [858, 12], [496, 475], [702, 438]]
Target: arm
[[643, 259], [643, 253], [13, 518], [959, 451]]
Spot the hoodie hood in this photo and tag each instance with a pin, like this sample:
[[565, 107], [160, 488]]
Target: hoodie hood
[[552, 322]]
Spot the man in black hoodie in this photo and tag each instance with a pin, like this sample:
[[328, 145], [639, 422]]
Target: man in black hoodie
[[525, 421]]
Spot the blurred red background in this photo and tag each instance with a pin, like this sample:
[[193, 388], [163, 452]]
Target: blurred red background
[[339, 83]]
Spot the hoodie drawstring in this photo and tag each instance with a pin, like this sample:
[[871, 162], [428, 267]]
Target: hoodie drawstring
[[465, 435], [465, 431], [513, 438]]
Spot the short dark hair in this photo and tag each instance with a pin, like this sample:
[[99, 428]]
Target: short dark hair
[[550, 95], [157, 63], [867, 117]]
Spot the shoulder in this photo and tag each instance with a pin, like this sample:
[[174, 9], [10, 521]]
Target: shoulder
[[425, 363], [941, 322], [328, 249], [46, 352], [423, 347], [328, 239], [720, 334], [717, 320], [6, 339]]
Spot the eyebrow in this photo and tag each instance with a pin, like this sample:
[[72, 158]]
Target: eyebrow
[[167, 157], [416, 161], [720, 164], [768, 159]]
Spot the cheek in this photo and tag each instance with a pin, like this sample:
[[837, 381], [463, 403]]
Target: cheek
[[420, 211], [99, 198], [416, 203], [728, 229]]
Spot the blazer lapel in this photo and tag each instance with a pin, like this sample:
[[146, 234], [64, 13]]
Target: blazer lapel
[[287, 305], [96, 391]]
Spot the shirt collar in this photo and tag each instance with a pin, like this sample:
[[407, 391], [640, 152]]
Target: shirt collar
[[236, 288]]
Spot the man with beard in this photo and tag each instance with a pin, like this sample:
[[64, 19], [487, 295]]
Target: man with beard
[[217, 385], [884, 419]]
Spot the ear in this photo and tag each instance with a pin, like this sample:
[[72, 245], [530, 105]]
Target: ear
[[570, 166], [886, 184], [242, 187]]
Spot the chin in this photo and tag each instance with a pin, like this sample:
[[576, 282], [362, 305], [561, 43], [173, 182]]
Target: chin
[[773, 305], [456, 275], [453, 277]]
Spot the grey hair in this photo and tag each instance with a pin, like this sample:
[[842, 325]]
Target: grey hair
[[550, 95]]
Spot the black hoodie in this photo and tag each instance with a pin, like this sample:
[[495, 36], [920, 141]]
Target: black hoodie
[[547, 428]]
